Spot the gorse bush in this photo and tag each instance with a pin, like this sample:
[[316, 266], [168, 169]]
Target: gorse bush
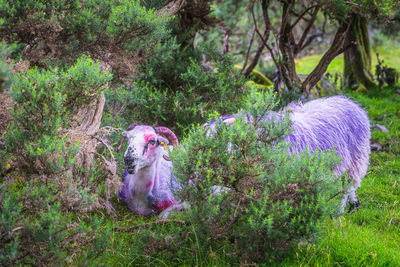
[[178, 93], [83, 22], [265, 200], [5, 80], [44, 102], [35, 231]]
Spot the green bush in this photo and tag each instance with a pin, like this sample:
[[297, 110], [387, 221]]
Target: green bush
[[44, 101], [268, 200], [5, 80], [81, 23], [35, 231], [179, 93]]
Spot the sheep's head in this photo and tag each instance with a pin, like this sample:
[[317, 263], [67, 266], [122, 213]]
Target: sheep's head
[[145, 145]]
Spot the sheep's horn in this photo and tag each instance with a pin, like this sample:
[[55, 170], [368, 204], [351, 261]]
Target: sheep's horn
[[170, 135], [130, 127]]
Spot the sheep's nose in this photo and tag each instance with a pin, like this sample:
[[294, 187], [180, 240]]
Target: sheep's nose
[[130, 170]]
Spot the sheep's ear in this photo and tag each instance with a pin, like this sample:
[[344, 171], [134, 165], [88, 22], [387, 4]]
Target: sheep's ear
[[124, 134], [162, 139]]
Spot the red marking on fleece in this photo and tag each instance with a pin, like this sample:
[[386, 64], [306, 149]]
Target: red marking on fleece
[[150, 183], [165, 204], [148, 137]]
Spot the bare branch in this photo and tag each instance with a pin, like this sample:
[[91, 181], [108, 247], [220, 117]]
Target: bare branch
[[313, 36], [264, 38], [299, 45], [249, 47], [301, 16], [264, 42]]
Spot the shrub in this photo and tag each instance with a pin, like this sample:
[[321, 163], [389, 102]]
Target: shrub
[[268, 200], [82, 23], [44, 101], [5, 80], [178, 93], [35, 231]]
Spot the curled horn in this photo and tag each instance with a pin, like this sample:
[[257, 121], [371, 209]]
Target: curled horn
[[130, 127], [170, 135]]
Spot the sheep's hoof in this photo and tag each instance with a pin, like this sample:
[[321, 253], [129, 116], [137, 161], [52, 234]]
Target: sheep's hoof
[[354, 206]]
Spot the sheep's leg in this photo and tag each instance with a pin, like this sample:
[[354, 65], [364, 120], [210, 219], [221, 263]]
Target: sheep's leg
[[353, 201], [350, 198]]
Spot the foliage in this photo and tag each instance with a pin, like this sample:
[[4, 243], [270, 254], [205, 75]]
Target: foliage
[[47, 215], [35, 231], [118, 33], [44, 102], [385, 75], [86, 21], [5, 80], [267, 200], [182, 90]]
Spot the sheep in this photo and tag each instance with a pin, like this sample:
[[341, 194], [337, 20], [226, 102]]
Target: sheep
[[148, 184], [147, 181], [326, 124]]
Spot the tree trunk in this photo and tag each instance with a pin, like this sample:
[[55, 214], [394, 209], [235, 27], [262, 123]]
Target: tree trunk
[[286, 47], [337, 47], [85, 125], [357, 59]]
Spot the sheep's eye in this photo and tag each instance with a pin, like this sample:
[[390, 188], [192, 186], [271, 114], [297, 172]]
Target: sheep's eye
[[152, 142]]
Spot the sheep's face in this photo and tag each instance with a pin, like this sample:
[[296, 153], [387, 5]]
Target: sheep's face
[[144, 147]]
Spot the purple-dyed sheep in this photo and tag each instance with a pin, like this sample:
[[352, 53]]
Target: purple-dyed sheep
[[330, 123], [147, 182]]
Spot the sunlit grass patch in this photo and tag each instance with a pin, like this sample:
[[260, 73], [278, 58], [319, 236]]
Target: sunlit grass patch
[[390, 53]]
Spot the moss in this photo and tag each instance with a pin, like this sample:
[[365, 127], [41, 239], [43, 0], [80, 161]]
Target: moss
[[357, 59], [256, 76]]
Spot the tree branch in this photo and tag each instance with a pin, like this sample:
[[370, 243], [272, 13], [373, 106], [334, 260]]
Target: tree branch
[[301, 16], [253, 64], [264, 42], [299, 45], [336, 48], [313, 36], [249, 48]]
